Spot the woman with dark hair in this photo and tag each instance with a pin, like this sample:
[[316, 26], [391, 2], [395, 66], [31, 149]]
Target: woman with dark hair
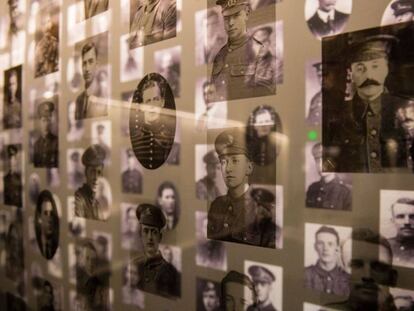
[[169, 202], [12, 115]]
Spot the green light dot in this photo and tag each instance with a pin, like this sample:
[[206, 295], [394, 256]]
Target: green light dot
[[313, 135]]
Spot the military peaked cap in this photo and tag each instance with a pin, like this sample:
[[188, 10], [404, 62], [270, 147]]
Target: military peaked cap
[[150, 215], [401, 7], [93, 156], [232, 141], [363, 48], [230, 7], [261, 274]]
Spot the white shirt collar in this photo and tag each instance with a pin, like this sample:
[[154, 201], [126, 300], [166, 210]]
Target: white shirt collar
[[324, 15]]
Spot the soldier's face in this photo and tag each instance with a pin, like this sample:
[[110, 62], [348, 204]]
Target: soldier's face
[[151, 238], [327, 247], [403, 218], [92, 174], [89, 65], [167, 201], [45, 122], [236, 169], [46, 218], [237, 298], [210, 300], [405, 17], [263, 124], [236, 24], [327, 5], [262, 290], [152, 104], [369, 76], [13, 84]]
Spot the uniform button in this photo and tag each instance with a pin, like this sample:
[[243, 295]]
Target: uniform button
[[318, 199], [226, 225], [373, 154], [226, 65], [374, 132]]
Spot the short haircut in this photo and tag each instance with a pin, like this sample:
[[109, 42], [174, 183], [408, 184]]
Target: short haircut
[[89, 46], [326, 229], [239, 278], [406, 200], [152, 83], [166, 185]]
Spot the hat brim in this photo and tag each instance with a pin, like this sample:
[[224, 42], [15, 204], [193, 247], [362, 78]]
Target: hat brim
[[233, 10]]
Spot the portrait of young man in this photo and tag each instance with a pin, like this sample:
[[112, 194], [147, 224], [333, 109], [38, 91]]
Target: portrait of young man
[[152, 21], [208, 295], [95, 7], [12, 102], [130, 228], [263, 280], [238, 292], [169, 202], [206, 187], [13, 184], [314, 83]]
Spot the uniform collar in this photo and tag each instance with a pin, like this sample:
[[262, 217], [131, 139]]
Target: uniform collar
[[238, 43], [325, 15], [360, 107], [154, 261], [323, 272]]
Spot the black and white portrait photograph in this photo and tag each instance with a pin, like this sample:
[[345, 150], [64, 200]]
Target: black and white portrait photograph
[[12, 100], [168, 199], [209, 253], [327, 17], [268, 284], [131, 295], [328, 190], [130, 228], [34, 188], [366, 128], [313, 88], [264, 128], [403, 299], [132, 175], [101, 134], [92, 102], [4, 225], [75, 126], [47, 37], [76, 225], [94, 7], [312, 307], [75, 168], [209, 113], [239, 292], [397, 224], [15, 266], [172, 255], [87, 202], [208, 177], [244, 214], [250, 66], [12, 179], [48, 295], [324, 268], [47, 224], [168, 64], [46, 143], [132, 61], [152, 121], [74, 72], [152, 21], [126, 98], [208, 295], [156, 274], [398, 11]]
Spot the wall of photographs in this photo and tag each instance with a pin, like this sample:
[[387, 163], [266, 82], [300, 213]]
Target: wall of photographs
[[168, 155]]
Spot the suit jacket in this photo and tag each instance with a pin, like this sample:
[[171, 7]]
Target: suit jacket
[[319, 28], [46, 151]]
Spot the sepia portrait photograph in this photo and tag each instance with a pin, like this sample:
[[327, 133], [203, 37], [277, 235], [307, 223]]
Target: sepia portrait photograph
[[34, 188], [152, 21], [313, 89], [47, 224], [92, 101], [76, 225], [91, 8], [327, 17], [131, 172], [74, 72], [75, 127], [397, 225], [268, 284], [168, 200], [327, 190], [208, 295], [367, 123], [168, 64], [126, 98], [12, 98], [324, 250], [101, 134], [47, 38], [152, 121], [48, 295], [209, 253], [15, 267], [132, 61], [130, 228], [45, 136], [250, 218], [130, 294], [75, 169], [398, 11], [12, 178], [403, 299]]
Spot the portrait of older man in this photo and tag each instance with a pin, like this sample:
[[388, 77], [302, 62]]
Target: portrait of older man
[[152, 21], [12, 102]]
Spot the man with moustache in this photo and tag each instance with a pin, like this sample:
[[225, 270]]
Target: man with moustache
[[47, 49], [403, 243], [46, 148], [364, 134], [327, 20], [330, 191], [86, 203], [263, 280], [156, 275], [372, 273], [236, 216], [326, 275], [239, 68], [206, 188]]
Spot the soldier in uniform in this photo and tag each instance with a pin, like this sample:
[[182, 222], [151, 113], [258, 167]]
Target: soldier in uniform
[[241, 67], [12, 114], [47, 49], [86, 203], [403, 243], [330, 191], [326, 275], [364, 134], [238, 292], [131, 177], [95, 7], [315, 108], [154, 20], [206, 187], [46, 148], [236, 217], [263, 280], [156, 275], [46, 298], [403, 10], [13, 180]]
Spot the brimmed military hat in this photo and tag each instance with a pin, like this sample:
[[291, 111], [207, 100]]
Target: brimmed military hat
[[45, 109], [362, 48], [232, 141], [261, 274], [11, 150], [402, 6], [230, 7], [93, 156], [210, 158], [150, 215], [262, 196]]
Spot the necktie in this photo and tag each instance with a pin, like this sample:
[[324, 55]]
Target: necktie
[[330, 24]]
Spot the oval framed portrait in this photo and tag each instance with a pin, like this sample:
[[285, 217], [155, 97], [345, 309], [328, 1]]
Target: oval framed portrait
[[47, 224], [152, 121]]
